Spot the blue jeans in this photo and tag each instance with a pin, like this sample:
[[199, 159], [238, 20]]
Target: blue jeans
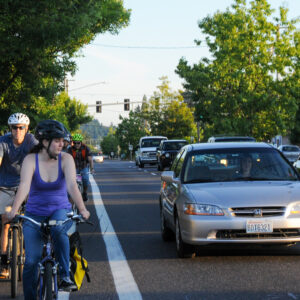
[[34, 248], [85, 176]]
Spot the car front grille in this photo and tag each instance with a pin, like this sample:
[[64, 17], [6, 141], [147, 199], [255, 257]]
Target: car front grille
[[241, 234], [152, 154], [264, 211]]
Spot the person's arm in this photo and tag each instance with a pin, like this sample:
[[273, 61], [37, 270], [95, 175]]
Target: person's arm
[[91, 162], [69, 170], [90, 158], [27, 171]]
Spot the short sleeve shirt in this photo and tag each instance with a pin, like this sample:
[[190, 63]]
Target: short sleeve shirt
[[80, 156], [12, 158]]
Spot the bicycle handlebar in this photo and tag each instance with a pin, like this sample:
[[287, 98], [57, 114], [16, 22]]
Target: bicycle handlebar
[[52, 223]]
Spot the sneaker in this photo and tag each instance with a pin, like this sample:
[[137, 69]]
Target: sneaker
[[4, 273], [67, 285]]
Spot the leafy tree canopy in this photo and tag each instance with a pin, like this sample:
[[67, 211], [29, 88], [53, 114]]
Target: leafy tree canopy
[[39, 40], [249, 85]]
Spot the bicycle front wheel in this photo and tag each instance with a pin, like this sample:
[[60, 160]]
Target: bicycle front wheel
[[48, 283], [14, 262]]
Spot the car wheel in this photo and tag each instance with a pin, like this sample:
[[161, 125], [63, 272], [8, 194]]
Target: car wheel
[[183, 250], [141, 165], [166, 233]]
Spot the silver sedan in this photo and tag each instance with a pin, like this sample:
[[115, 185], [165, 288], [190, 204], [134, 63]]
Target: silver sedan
[[229, 193]]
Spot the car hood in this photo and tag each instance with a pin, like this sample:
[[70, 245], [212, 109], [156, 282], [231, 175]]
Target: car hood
[[148, 149], [245, 193]]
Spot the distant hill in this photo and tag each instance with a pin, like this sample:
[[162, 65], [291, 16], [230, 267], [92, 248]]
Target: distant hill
[[94, 130]]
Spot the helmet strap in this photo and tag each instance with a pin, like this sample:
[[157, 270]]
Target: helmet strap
[[49, 153]]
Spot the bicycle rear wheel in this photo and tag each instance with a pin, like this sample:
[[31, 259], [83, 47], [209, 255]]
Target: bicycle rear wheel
[[21, 255], [14, 262]]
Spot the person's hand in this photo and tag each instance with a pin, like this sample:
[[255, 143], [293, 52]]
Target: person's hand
[[85, 213], [9, 215]]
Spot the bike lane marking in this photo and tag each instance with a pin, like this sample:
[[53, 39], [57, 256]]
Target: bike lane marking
[[125, 284]]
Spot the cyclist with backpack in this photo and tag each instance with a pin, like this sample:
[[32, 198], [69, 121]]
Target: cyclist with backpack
[[47, 176], [14, 146], [82, 157]]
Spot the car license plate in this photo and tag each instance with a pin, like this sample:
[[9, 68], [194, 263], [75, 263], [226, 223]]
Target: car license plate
[[259, 226]]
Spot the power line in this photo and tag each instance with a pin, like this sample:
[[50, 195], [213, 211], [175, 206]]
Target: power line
[[149, 47], [92, 84]]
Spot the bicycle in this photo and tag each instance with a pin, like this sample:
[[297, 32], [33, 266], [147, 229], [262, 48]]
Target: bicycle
[[48, 267], [15, 254], [15, 250]]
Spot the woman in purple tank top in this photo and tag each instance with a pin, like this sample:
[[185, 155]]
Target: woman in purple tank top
[[47, 176]]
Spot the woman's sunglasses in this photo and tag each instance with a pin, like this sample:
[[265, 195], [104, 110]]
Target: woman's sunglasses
[[77, 143], [18, 127]]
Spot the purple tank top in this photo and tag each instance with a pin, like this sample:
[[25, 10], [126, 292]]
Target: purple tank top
[[47, 197]]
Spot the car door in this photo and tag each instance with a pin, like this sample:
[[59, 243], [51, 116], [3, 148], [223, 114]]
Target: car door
[[172, 189]]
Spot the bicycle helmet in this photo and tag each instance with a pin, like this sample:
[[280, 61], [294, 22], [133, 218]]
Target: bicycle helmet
[[18, 118], [77, 137], [50, 129]]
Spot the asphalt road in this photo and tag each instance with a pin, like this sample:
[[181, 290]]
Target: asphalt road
[[130, 197]]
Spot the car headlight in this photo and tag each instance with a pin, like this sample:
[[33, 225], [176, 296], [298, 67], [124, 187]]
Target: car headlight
[[167, 155], [203, 210], [295, 210], [145, 154]]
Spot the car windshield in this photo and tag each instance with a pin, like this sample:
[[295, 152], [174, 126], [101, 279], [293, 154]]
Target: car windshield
[[248, 164], [173, 145], [151, 142], [290, 148]]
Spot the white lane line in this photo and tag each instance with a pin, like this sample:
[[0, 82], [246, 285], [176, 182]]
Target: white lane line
[[125, 284], [153, 174], [63, 295]]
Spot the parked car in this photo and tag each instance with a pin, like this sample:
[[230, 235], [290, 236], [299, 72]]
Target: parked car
[[167, 151], [97, 157], [227, 193], [146, 150], [291, 152], [219, 139]]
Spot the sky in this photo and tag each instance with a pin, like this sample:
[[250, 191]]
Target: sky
[[128, 65]]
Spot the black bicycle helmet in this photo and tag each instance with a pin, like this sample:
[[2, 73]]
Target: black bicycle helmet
[[49, 130]]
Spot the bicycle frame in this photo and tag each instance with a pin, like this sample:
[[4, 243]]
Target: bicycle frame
[[48, 257]]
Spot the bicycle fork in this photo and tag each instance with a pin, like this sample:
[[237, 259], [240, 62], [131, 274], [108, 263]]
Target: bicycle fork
[[42, 268]]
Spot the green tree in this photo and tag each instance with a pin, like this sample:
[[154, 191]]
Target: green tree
[[39, 40], [167, 114], [76, 111], [177, 121], [246, 87], [110, 143], [130, 130]]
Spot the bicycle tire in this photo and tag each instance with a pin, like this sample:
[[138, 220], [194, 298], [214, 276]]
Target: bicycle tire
[[14, 263], [48, 280], [21, 255]]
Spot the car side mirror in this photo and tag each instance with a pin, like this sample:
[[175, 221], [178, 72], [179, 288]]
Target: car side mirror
[[169, 176]]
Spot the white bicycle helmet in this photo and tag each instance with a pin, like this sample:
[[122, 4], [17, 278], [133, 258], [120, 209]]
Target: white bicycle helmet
[[18, 118]]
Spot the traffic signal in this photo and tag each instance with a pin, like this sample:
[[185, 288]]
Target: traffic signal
[[99, 106], [126, 105]]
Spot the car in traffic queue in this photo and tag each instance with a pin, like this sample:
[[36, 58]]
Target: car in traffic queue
[[167, 151], [207, 198], [146, 150], [97, 157], [291, 152]]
